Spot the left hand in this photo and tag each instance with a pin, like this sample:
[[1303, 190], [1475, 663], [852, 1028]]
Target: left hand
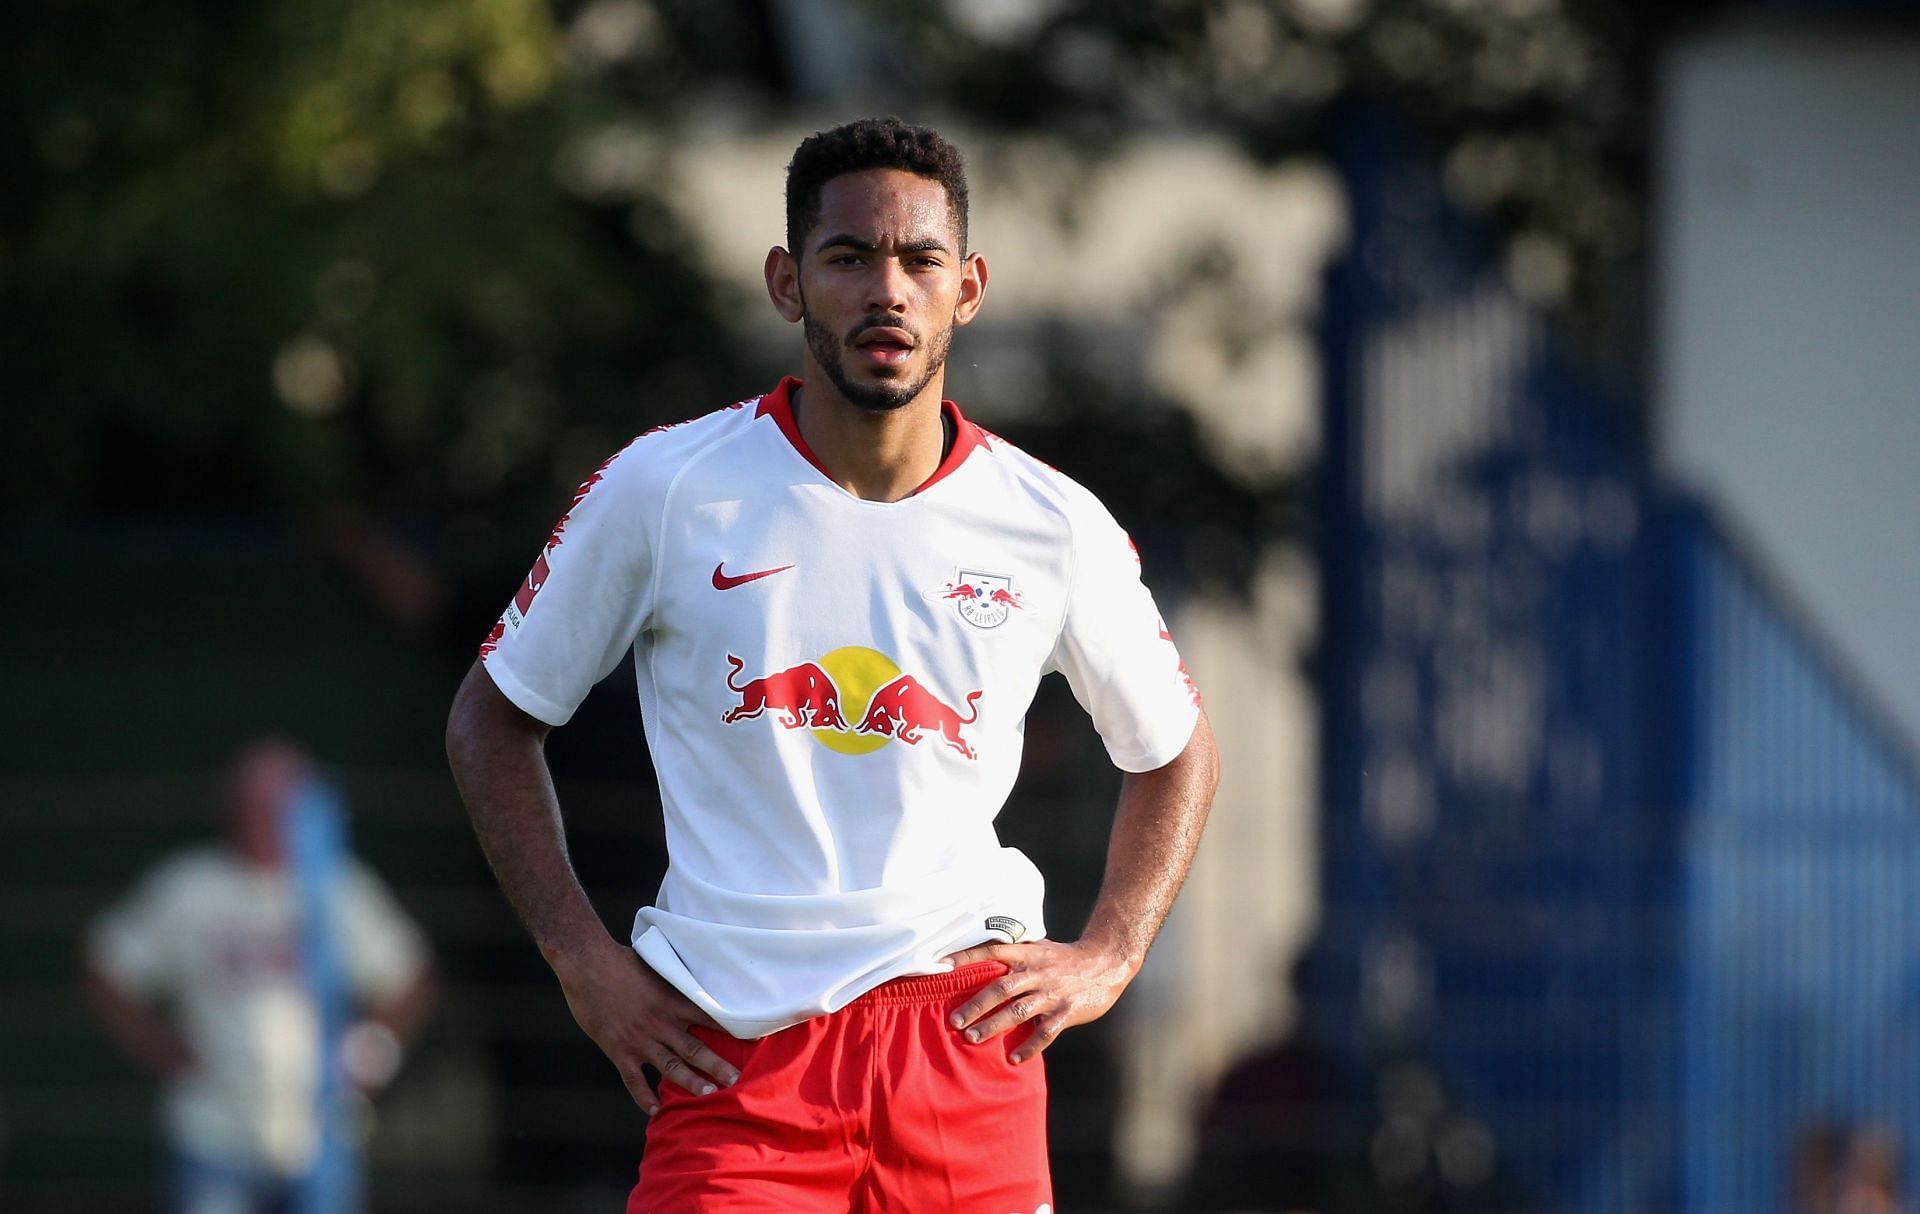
[[1055, 985]]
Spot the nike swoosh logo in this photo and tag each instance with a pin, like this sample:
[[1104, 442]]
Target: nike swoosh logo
[[723, 581]]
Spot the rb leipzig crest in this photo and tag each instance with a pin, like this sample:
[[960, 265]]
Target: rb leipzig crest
[[984, 600]]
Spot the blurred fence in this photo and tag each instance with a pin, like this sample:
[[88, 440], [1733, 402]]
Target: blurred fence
[[1802, 861], [1617, 868]]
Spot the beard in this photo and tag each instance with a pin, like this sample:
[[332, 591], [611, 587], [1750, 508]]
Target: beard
[[883, 396]]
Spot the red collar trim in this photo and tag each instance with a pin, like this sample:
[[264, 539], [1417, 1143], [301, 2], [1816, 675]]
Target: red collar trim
[[779, 405]]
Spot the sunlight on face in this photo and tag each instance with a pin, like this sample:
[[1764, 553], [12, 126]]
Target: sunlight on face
[[882, 278]]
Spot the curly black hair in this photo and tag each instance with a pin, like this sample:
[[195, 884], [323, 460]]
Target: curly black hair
[[871, 143]]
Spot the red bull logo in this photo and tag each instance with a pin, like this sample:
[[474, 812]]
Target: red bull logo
[[984, 600], [800, 696], [905, 710], [894, 706]]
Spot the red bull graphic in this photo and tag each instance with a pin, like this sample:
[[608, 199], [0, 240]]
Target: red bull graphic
[[904, 709], [895, 707], [984, 600], [799, 696]]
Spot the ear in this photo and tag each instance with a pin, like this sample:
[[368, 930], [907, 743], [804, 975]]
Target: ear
[[973, 288], [783, 284]]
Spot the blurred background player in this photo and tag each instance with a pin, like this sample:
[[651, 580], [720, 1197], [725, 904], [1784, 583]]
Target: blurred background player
[[199, 976]]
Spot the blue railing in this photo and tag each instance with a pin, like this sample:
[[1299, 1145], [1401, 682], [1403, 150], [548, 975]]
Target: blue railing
[[1611, 851], [1801, 973]]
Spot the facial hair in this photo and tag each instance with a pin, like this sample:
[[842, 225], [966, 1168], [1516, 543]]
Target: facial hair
[[883, 396]]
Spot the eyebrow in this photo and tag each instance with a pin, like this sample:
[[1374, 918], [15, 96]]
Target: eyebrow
[[849, 241]]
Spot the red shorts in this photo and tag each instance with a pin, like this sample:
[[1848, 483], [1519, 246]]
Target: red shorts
[[881, 1107]]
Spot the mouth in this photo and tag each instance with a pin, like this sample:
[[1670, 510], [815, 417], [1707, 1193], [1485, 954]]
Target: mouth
[[884, 346]]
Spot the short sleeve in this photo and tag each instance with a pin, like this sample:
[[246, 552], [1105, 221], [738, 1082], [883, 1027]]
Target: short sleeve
[[131, 941], [583, 602], [1116, 652], [382, 950]]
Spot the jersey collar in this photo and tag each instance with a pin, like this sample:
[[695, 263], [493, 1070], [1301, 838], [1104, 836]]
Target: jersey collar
[[778, 404]]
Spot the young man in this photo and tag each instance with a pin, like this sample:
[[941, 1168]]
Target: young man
[[841, 597]]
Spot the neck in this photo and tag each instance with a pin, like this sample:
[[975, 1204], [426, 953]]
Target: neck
[[880, 457]]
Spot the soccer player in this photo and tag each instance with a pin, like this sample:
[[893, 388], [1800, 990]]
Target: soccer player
[[841, 596]]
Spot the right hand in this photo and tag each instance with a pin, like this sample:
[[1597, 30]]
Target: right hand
[[639, 1019]]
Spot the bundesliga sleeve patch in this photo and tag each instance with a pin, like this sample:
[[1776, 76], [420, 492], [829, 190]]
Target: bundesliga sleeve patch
[[523, 597]]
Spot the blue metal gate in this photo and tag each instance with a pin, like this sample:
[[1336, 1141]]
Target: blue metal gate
[[1609, 849], [1802, 863]]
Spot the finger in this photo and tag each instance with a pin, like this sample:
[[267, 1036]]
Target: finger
[[642, 1092], [686, 1011], [703, 1060], [964, 957], [681, 1073], [1046, 1029], [988, 997], [671, 1003], [1018, 1012]]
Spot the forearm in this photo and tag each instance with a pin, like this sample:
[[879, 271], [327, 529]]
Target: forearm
[[139, 1030], [1156, 830], [403, 1014], [1056, 986], [635, 1016], [499, 764], [372, 1048]]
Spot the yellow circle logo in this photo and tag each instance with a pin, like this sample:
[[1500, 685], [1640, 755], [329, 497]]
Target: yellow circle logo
[[858, 672]]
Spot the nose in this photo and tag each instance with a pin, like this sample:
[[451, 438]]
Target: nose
[[887, 286]]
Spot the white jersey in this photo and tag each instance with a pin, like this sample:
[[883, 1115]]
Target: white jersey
[[219, 939], [834, 692]]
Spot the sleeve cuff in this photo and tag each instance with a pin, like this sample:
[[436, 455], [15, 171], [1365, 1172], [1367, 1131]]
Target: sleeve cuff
[[1162, 748], [525, 698]]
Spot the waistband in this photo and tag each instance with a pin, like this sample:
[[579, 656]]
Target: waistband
[[926, 988]]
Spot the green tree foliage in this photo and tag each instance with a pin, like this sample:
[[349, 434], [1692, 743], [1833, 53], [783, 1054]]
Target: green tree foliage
[[316, 251], [1538, 106], [417, 253]]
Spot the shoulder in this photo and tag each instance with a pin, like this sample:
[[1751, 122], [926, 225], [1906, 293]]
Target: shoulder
[[686, 437], [184, 878], [194, 865], [360, 880], [638, 476], [1043, 484], [656, 455], [365, 892]]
